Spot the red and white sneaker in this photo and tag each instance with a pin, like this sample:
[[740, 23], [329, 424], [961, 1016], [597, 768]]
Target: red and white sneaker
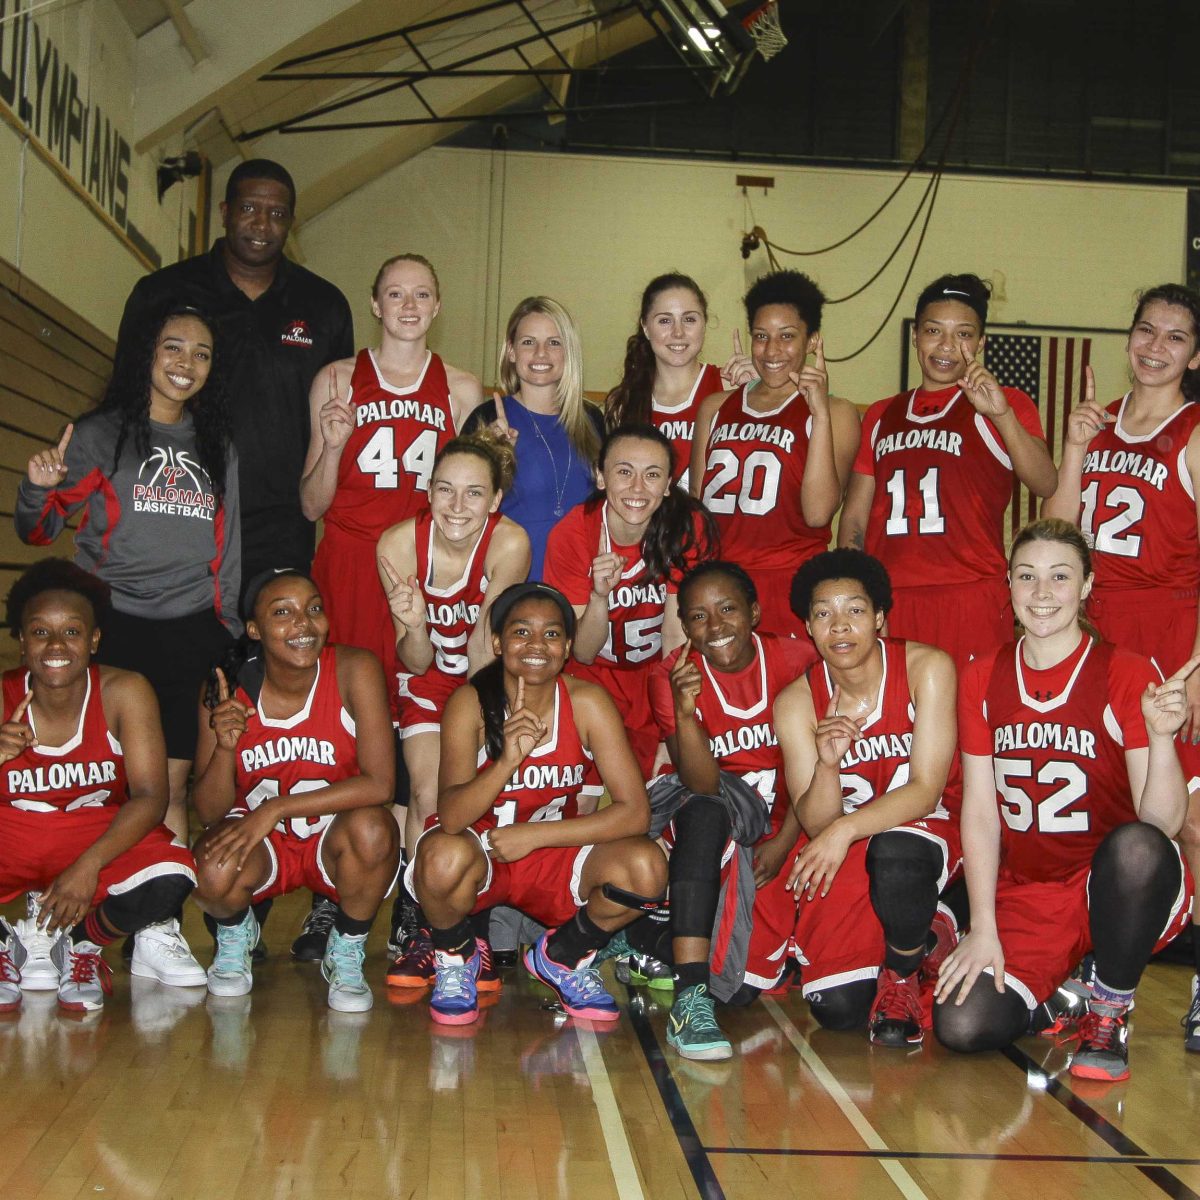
[[84, 977], [1103, 1044], [946, 932], [12, 956], [895, 1018]]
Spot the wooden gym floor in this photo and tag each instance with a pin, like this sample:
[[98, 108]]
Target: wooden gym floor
[[171, 1095]]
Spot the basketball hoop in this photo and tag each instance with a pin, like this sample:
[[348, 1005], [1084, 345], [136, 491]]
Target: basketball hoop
[[763, 26]]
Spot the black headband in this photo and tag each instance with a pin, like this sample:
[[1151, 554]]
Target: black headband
[[523, 591], [258, 582]]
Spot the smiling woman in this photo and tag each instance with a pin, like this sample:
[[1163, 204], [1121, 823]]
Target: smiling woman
[[157, 475]]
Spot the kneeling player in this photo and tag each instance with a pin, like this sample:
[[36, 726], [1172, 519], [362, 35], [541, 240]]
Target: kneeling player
[[729, 837], [296, 772], [1071, 741], [517, 743], [83, 790], [869, 747]]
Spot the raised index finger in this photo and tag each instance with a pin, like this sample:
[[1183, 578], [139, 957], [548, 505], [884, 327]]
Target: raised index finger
[[65, 440], [819, 351], [834, 701], [520, 694], [390, 571], [24, 703], [1184, 671], [737, 342], [1089, 385], [333, 383], [222, 687], [500, 410]]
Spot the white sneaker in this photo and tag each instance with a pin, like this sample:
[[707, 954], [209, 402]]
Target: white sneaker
[[161, 952], [12, 957], [84, 977], [38, 974], [342, 967]]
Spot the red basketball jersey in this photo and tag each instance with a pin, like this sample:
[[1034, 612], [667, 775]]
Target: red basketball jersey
[[635, 605], [87, 771], [679, 424], [383, 475], [302, 753], [735, 711], [1058, 740], [943, 481], [451, 613], [1138, 505], [879, 761], [547, 785], [752, 479]]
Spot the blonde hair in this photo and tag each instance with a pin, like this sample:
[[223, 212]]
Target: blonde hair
[[406, 257], [572, 407]]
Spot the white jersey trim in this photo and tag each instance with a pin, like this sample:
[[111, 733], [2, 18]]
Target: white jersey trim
[[1044, 706], [995, 447], [461, 581], [1138, 439], [297, 718], [383, 384], [75, 740], [683, 404], [760, 703], [877, 711], [910, 411]]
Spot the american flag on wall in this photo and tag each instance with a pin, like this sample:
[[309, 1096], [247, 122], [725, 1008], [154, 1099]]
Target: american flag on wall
[[1049, 369]]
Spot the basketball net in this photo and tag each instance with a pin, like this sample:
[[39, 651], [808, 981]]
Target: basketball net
[[763, 26]]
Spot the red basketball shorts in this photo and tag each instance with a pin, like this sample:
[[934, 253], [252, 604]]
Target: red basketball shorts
[[965, 619], [36, 847]]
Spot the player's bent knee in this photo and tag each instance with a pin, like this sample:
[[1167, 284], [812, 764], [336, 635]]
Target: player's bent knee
[[641, 868], [370, 835], [845, 1007], [443, 860], [986, 1019]]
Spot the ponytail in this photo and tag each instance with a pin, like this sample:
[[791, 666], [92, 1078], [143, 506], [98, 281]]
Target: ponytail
[[488, 683]]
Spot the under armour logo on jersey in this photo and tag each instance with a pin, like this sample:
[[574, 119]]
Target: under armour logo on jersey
[[1042, 696]]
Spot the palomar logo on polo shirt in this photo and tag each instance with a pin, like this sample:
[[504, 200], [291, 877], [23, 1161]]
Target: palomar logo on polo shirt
[[296, 334]]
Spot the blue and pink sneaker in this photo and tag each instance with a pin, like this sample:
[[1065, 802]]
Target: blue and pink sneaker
[[455, 999], [580, 989]]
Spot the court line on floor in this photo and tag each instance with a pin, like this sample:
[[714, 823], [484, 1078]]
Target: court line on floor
[[620, 1153], [1117, 1160], [698, 1163], [905, 1183], [1103, 1128]]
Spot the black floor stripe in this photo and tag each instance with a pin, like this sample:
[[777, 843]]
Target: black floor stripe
[[681, 1121], [1103, 1128], [1099, 1159]]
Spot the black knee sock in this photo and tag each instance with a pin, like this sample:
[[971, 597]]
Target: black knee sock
[[701, 834], [904, 870], [458, 939], [986, 1020], [651, 935], [1135, 880], [844, 1007], [575, 939], [480, 922], [691, 974]]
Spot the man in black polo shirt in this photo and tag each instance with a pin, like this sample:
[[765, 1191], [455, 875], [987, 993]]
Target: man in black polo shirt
[[276, 325]]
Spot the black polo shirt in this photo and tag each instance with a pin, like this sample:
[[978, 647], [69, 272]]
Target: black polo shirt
[[271, 349]]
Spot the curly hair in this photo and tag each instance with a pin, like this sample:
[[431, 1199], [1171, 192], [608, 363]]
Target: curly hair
[[730, 570], [497, 453], [793, 288], [845, 563], [629, 403], [128, 395], [55, 575]]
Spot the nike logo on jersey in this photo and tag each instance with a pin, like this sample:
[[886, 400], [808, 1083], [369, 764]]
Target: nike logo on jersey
[[773, 435], [1045, 735], [61, 777], [920, 439], [399, 410], [286, 750], [1127, 462]]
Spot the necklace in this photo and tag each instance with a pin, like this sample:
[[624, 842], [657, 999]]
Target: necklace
[[559, 488]]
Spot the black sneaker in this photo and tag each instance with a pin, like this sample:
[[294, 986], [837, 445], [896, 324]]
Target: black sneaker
[[310, 945], [1191, 1022]]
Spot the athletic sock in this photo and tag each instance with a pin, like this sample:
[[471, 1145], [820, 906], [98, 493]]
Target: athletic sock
[[1112, 998], [691, 974], [458, 939], [236, 919], [576, 939], [91, 930], [348, 926]]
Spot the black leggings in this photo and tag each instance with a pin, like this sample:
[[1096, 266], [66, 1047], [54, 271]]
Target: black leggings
[[1135, 880]]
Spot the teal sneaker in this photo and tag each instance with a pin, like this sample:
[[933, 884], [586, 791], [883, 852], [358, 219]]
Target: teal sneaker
[[230, 973], [692, 1028], [618, 947], [342, 967]]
